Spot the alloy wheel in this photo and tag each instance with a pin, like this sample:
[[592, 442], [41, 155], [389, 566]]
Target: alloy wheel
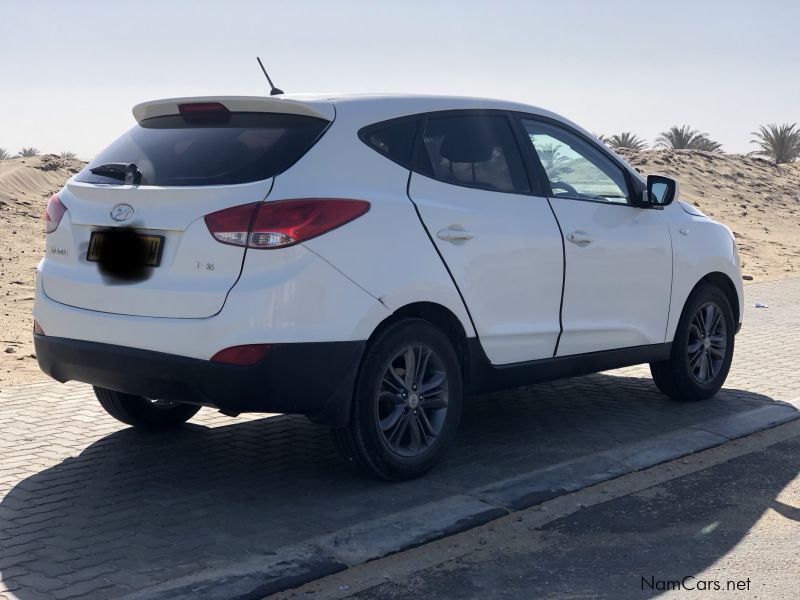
[[412, 400], [708, 341]]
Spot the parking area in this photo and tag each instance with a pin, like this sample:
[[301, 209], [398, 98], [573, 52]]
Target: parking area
[[241, 507]]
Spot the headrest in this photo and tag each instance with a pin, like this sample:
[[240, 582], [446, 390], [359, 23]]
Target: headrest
[[467, 146]]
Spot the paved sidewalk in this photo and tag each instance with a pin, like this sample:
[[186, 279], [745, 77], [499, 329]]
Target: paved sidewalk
[[89, 508]]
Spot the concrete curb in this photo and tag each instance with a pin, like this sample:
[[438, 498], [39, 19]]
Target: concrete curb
[[324, 555]]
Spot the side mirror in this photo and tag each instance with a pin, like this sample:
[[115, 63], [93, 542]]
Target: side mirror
[[660, 191]]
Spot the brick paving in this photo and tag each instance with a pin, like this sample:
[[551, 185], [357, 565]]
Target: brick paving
[[90, 508]]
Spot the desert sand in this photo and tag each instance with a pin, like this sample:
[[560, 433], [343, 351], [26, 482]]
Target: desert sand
[[26, 185], [759, 201]]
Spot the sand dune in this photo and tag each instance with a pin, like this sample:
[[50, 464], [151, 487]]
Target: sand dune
[[26, 184], [759, 201]]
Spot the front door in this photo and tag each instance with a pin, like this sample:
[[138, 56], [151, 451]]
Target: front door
[[618, 257]]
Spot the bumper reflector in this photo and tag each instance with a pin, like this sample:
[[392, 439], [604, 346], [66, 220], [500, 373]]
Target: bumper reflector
[[248, 354]]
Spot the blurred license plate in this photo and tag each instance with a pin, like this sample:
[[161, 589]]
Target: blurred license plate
[[148, 247]]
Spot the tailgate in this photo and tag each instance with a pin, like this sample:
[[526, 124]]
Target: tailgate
[[195, 272], [161, 179]]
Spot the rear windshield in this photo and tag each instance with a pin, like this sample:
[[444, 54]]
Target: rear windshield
[[240, 148]]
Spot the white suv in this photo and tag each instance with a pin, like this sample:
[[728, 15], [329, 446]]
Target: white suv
[[368, 261]]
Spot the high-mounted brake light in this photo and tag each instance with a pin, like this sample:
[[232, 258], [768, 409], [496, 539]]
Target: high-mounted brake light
[[282, 223], [198, 113], [248, 354], [201, 107], [53, 213]]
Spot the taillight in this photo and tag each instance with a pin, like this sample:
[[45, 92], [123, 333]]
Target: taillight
[[53, 214], [248, 354], [282, 223], [37, 329]]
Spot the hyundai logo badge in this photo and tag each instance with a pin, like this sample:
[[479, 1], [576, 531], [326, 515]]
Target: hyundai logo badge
[[122, 212]]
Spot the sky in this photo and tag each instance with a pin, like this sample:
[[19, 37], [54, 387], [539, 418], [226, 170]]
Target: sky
[[71, 71]]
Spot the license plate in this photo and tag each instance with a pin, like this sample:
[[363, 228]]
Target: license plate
[[147, 247]]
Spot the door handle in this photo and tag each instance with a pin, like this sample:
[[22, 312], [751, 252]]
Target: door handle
[[454, 233], [581, 238]]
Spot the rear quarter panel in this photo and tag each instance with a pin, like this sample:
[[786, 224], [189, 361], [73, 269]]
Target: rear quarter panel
[[386, 252]]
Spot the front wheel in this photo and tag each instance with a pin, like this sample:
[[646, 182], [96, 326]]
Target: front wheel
[[144, 413], [702, 350], [406, 405]]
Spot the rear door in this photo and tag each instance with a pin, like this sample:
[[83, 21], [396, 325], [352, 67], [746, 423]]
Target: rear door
[[189, 165], [618, 256], [496, 234]]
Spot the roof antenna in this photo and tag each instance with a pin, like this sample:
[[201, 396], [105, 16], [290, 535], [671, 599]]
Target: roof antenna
[[273, 90]]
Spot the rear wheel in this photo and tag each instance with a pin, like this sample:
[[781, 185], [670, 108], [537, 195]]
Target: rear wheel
[[702, 350], [144, 413], [406, 405]]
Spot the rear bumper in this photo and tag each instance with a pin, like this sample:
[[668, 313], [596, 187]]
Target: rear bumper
[[314, 379]]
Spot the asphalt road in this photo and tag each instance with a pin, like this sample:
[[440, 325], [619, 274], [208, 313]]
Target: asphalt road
[[720, 524]]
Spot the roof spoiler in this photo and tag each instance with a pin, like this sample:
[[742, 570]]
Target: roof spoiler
[[271, 104]]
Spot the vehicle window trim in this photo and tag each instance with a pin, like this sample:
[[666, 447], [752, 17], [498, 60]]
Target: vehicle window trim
[[632, 188]]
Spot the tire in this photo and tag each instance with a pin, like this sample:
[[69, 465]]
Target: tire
[[401, 424], [699, 361], [144, 413]]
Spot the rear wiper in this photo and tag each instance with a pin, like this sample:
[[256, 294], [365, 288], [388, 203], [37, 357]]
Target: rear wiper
[[126, 172]]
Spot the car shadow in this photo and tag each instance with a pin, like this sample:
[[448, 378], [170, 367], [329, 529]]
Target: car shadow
[[134, 508]]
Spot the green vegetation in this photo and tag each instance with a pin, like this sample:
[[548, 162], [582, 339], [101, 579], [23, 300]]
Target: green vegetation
[[4, 154], [686, 138], [28, 152], [554, 163], [628, 140], [778, 143]]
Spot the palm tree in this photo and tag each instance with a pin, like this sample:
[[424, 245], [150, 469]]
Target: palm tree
[[554, 163], [686, 138], [3, 154], [68, 155], [779, 143], [704, 143], [628, 140], [602, 138], [28, 152]]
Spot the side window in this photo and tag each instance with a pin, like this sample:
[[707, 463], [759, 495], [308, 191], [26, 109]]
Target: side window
[[574, 167], [475, 151], [394, 139]]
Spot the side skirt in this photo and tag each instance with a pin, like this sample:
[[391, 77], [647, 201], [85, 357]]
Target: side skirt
[[483, 377]]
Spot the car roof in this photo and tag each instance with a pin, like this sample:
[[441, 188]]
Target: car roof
[[418, 103], [357, 110]]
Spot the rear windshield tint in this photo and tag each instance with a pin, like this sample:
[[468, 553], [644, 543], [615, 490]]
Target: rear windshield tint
[[243, 147]]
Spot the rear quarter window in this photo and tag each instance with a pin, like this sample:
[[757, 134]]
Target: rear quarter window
[[244, 147], [394, 139]]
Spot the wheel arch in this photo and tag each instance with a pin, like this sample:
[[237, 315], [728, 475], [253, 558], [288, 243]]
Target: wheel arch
[[724, 283], [437, 315]]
